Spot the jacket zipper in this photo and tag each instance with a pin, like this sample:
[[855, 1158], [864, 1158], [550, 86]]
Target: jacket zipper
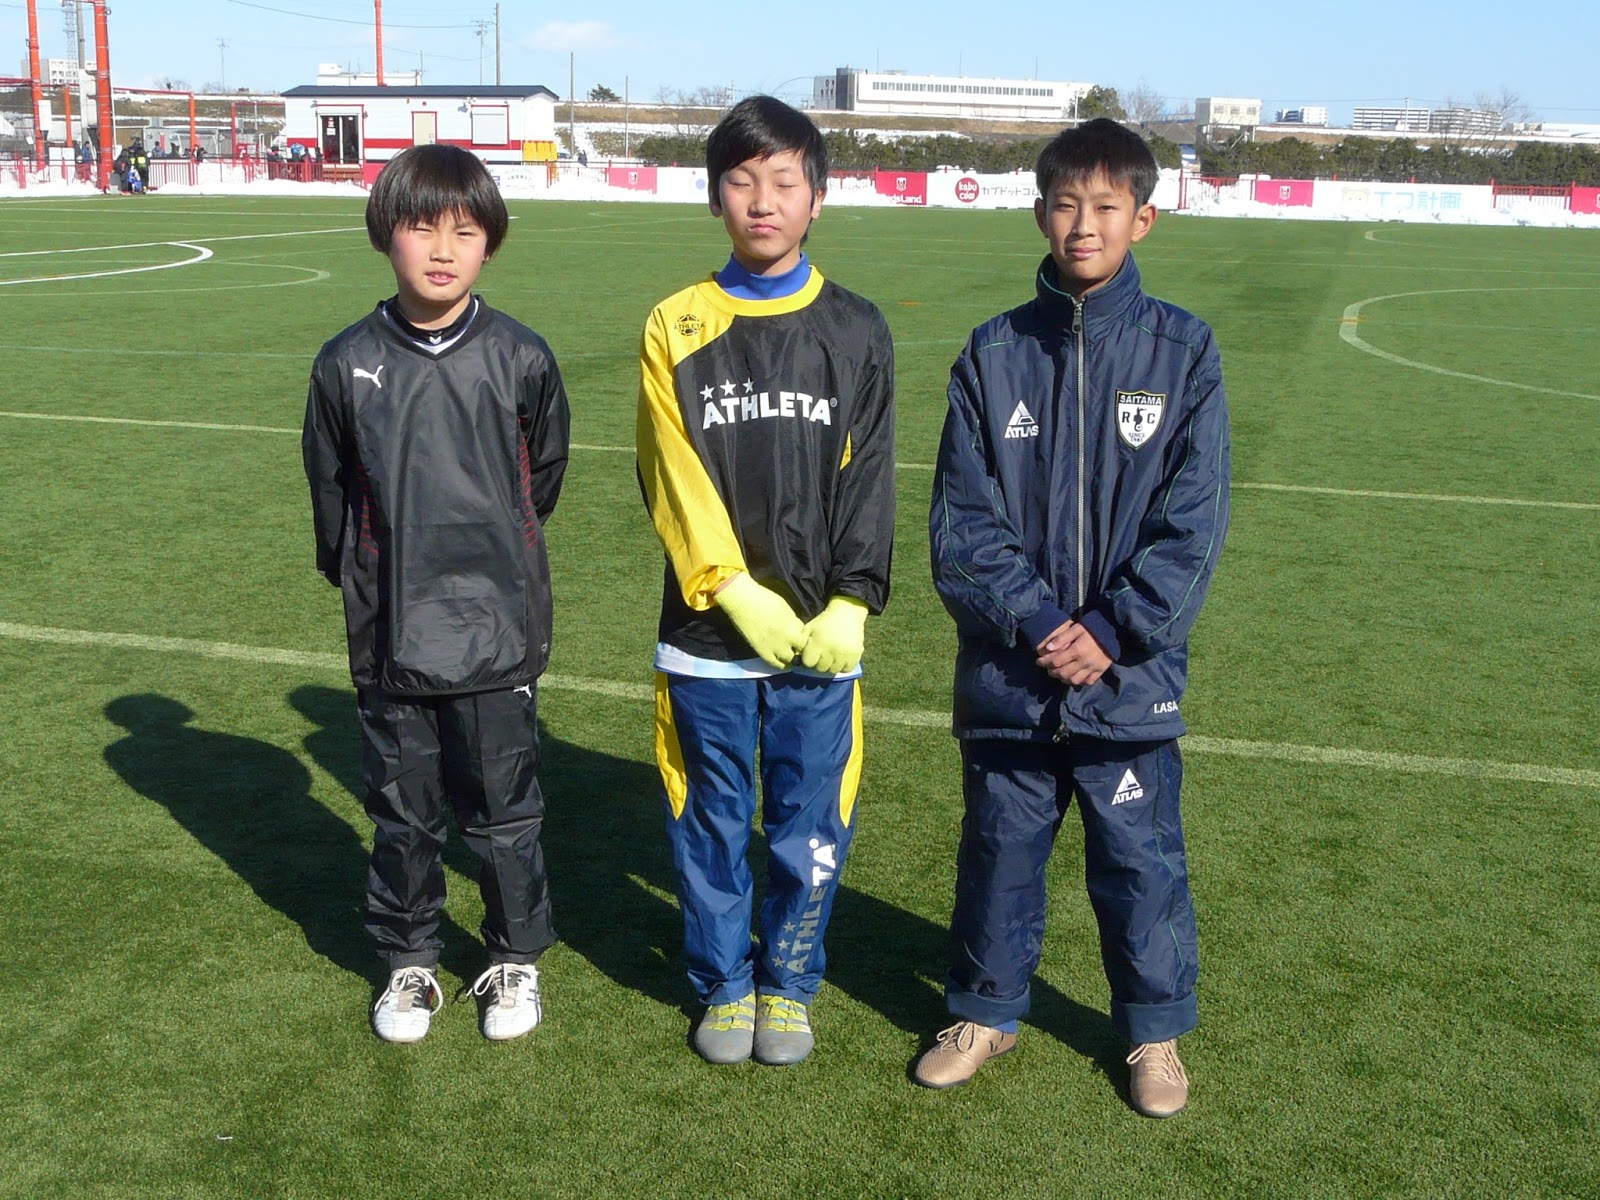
[[1077, 334]]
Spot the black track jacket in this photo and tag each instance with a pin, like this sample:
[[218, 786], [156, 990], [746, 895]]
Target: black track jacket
[[431, 478]]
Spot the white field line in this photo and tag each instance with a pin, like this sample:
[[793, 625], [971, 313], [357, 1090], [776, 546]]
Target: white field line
[[1304, 489], [232, 237], [195, 244], [200, 255], [1352, 317], [1333, 756], [642, 693]]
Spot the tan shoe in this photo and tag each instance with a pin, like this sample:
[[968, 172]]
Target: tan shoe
[[1157, 1085], [959, 1052]]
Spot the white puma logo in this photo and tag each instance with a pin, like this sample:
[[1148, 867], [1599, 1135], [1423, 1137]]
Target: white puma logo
[[372, 375]]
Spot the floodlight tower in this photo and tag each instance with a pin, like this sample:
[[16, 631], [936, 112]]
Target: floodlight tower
[[102, 96], [39, 155], [377, 20]]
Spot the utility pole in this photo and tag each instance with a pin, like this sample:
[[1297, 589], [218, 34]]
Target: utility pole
[[483, 31], [222, 62], [572, 101]]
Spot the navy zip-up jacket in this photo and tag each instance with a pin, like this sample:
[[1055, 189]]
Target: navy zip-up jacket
[[1082, 473]]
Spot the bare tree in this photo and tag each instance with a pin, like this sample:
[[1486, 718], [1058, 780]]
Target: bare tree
[[1513, 109], [1144, 104]]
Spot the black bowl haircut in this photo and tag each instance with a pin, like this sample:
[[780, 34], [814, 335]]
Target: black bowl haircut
[[759, 127], [1099, 145], [424, 183]]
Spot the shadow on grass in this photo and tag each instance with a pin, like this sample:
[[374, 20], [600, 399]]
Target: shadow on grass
[[249, 803], [610, 871], [611, 882]]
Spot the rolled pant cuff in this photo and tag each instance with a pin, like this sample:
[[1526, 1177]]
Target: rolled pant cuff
[[1141, 1023], [985, 1010], [413, 958], [727, 993]]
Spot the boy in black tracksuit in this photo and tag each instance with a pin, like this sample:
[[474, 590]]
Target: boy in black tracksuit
[[1079, 506], [435, 442]]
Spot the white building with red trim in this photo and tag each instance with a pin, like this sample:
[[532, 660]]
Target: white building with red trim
[[357, 128]]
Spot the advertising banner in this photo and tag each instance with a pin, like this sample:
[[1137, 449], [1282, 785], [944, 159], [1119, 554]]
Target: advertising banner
[[1402, 201], [903, 187], [1586, 200], [636, 179], [1287, 192]]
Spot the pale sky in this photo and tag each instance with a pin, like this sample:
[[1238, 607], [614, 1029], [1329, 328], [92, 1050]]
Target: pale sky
[[1340, 54]]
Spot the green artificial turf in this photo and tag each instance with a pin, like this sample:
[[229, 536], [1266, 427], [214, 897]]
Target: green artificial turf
[[1390, 793]]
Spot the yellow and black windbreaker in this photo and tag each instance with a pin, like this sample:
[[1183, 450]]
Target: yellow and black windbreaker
[[766, 444]]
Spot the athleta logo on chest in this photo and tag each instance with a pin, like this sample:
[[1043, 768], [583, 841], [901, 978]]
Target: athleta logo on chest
[[730, 403]]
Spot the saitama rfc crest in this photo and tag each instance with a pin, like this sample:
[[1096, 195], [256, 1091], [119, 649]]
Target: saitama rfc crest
[[1139, 416]]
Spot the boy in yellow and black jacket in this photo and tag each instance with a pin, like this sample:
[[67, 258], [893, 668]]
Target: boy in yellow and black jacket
[[766, 455]]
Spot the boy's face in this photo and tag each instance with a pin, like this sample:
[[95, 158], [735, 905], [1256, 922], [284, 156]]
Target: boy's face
[[435, 265], [767, 205], [1090, 223]]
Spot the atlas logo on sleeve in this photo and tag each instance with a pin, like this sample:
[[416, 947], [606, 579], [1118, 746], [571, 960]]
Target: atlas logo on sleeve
[[1139, 416], [1022, 424], [358, 373]]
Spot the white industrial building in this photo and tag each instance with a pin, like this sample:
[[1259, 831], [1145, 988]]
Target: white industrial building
[[356, 128], [1226, 110], [1306, 114], [1427, 120], [852, 90]]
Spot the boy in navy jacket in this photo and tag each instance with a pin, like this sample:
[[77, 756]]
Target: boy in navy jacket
[[1079, 506]]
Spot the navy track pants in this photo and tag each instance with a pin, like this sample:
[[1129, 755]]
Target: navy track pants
[[809, 734], [1016, 795]]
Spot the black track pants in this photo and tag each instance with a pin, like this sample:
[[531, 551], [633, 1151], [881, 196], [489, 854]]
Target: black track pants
[[482, 752]]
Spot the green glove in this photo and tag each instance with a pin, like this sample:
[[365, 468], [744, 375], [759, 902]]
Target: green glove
[[764, 618], [836, 636]]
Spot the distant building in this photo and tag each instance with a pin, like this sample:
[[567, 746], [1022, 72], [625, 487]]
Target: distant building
[[56, 72], [1227, 110], [1394, 120], [356, 128], [1464, 120], [1427, 120], [851, 90], [1306, 114]]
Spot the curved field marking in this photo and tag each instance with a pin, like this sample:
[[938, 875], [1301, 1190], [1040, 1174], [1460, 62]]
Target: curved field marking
[[312, 275], [201, 254], [1352, 317], [1335, 756], [195, 244]]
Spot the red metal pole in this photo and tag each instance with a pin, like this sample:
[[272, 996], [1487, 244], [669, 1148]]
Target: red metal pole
[[377, 15], [39, 135], [66, 108], [102, 95], [233, 128], [191, 127]]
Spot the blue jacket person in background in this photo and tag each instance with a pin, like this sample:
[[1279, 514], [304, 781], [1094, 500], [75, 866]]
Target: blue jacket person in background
[[1079, 506]]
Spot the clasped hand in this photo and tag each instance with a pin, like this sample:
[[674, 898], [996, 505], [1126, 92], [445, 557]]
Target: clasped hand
[[831, 642], [1071, 655]]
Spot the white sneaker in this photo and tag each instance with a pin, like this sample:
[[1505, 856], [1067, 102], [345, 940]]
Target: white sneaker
[[511, 1006], [407, 1005]]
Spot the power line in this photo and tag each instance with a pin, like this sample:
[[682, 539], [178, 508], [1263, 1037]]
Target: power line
[[336, 20]]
